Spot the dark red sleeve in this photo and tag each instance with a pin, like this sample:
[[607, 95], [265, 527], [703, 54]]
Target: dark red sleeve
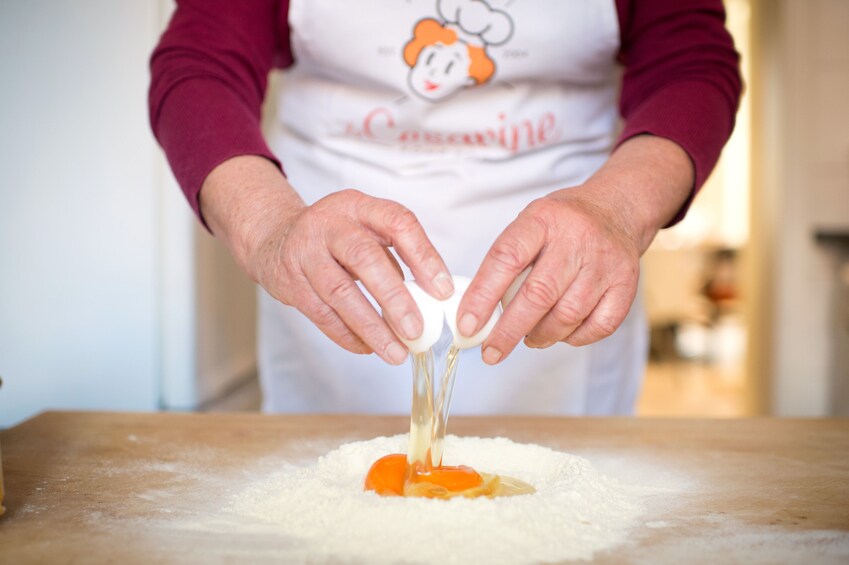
[[208, 79], [681, 78]]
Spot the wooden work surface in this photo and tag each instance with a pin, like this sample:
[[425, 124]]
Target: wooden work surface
[[89, 487]]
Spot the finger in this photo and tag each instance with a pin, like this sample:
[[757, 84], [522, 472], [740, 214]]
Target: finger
[[328, 321], [552, 274], [513, 250], [335, 287], [605, 317], [400, 229], [395, 264], [569, 312], [365, 259]]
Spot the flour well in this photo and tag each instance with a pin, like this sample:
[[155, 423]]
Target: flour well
[[322, 509]]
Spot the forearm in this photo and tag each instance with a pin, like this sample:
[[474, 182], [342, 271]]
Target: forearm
[[242, 200], [644, 183], [208, 81], [681, 79]]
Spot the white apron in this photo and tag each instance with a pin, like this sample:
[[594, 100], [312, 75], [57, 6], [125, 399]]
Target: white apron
[[464, 112]]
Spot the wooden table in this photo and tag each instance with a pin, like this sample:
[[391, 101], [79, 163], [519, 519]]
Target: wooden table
[[88, 487]]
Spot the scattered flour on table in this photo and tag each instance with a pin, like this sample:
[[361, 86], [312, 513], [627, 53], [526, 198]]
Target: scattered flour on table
[[323, 510]]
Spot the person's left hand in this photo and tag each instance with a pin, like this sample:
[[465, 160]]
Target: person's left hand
[[584, 244], [584, 276]]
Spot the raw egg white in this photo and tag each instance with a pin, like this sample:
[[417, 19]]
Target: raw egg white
[[414, 474]]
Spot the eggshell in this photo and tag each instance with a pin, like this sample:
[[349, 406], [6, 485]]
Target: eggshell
[[433, 316], [513, 289], [451, 306]]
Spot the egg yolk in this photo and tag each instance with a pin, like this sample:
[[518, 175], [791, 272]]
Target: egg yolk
[[387, 474], [391, 476]]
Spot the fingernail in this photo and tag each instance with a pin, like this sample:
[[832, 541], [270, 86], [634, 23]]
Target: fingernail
[[410, 326], [468, 324], [491, 356], [444, 284], [396, 353]]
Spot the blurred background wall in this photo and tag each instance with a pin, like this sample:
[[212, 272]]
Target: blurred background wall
[[111, 297], [803, 189]]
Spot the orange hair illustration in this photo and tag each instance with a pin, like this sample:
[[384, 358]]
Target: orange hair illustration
[[429, 31]]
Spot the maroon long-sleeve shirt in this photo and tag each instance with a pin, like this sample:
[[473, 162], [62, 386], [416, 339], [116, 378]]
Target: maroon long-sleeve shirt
[[209, 76]]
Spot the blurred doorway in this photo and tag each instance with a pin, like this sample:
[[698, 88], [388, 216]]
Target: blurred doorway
[[691, 279]]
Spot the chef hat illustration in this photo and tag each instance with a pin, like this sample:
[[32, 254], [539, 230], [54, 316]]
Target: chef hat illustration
[[475, 22]]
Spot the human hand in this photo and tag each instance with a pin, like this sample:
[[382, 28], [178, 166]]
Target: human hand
[[584, 244], [582, 283], [310, 256], [311, 259]]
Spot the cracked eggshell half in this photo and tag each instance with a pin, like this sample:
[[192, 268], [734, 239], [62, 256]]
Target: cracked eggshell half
[[453, 304], [433, 315]]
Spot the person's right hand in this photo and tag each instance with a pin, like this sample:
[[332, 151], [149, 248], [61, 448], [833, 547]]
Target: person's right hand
[[313, 258], [309, 257]]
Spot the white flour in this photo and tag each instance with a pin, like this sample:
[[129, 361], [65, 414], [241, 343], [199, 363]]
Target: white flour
[[323, 510]]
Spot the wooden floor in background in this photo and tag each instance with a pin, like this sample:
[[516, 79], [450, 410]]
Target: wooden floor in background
[[692, 389]]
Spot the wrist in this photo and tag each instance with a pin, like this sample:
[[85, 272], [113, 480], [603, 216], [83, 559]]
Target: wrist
[[244, 200], [641, 187]]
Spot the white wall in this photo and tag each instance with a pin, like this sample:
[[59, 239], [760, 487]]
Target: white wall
[[808, 86], [79, 211], [111, 296]]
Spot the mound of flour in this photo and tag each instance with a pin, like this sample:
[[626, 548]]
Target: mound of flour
[[323, 510]]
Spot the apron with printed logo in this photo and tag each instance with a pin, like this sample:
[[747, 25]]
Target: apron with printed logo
[[464, 111]]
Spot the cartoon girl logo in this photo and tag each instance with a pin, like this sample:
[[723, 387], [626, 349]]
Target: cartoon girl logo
[[449, 55]]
